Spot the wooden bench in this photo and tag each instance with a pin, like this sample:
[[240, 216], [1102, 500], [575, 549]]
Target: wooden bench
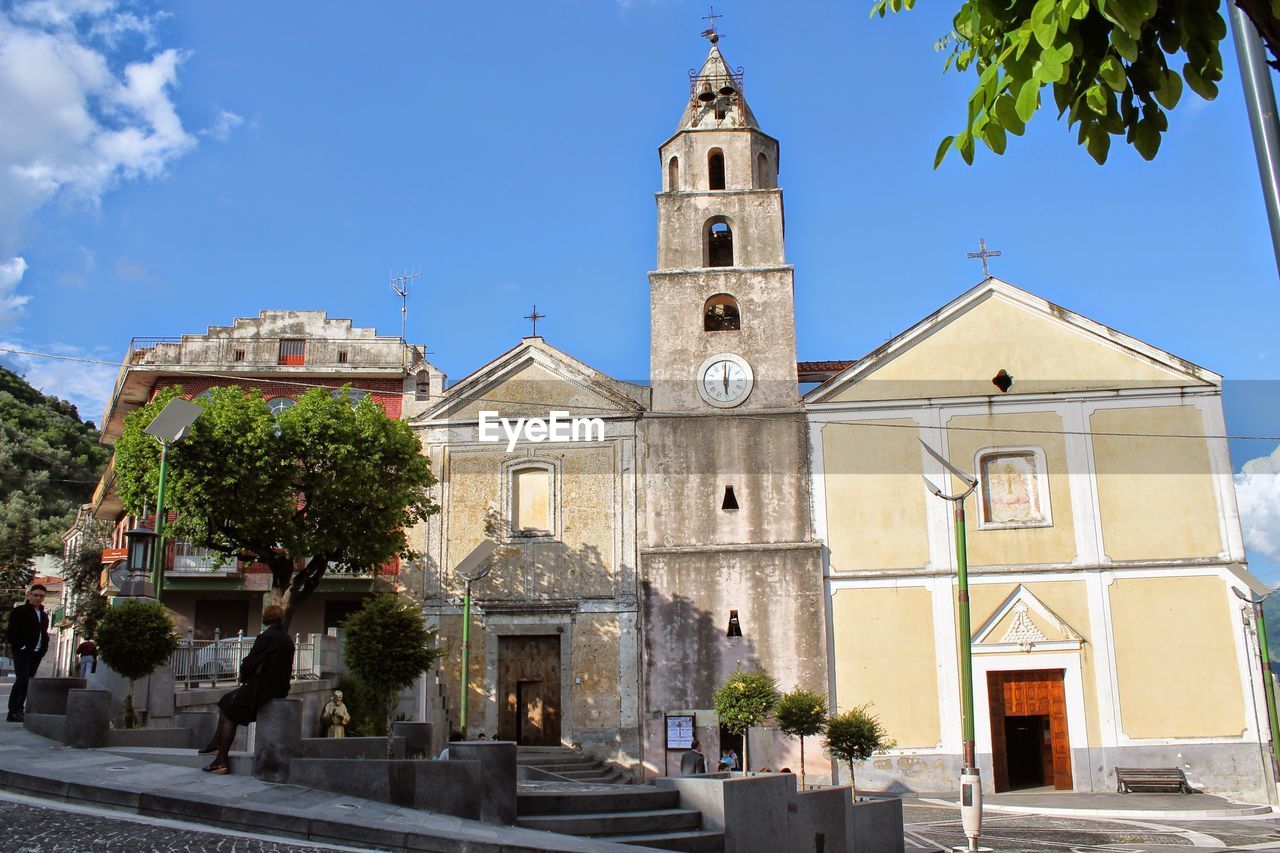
[[1171, 779]]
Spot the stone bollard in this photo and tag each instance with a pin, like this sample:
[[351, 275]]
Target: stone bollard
[[49, 695], [278, 739], [88, 718], [417, 738], [497, 776]]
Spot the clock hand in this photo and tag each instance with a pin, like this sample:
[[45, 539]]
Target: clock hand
[[726, 382]]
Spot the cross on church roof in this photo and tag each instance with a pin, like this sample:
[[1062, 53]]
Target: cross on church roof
[[535, 317], [983, 253], [710, 33]]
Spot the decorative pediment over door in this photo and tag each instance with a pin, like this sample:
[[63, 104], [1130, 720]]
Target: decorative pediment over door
[[1022, 623]]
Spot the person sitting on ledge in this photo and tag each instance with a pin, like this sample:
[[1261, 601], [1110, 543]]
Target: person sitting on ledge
[[264, 675]]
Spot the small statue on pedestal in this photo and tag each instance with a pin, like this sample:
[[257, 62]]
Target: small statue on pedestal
[[335, 716]]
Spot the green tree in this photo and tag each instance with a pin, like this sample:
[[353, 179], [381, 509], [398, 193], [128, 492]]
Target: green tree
[[134, 638], [856, 735], [801, 713], [322, 483], [18, 550], [81, 575], [387, 645], [743, 701], [1114, 67]]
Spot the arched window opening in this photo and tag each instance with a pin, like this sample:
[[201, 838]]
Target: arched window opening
[[764, 179], [673, 175], [720, 314], [715, 169], [719, 243], [278, 404], [531, 501]]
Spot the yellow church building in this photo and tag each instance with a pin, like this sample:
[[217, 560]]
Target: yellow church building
[[1104, 548]]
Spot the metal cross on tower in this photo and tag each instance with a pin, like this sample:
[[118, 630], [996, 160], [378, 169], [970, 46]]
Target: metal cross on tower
[[983, 254], [535, 317], [710, 33]]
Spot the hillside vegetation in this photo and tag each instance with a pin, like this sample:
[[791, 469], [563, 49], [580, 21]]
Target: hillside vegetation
[[50, 460]]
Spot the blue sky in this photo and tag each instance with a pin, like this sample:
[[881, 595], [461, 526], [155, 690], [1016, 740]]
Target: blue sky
[[169, 169]]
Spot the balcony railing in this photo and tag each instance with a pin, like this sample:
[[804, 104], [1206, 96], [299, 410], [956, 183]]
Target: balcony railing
[[217, 661]]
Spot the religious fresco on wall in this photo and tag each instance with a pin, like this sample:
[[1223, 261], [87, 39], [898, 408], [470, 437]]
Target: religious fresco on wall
[[1011, 489]]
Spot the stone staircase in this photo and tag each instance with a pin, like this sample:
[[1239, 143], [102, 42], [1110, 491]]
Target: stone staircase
[[570, 764], [641, 815]]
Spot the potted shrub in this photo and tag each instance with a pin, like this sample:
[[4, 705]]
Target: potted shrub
[[743, 701], [801, 714], [135, 638]]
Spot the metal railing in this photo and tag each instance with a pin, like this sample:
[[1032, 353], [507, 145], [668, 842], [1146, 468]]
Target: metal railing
[[217, 661]]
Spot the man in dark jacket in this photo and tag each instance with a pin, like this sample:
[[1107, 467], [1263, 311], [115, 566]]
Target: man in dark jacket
[[693, 761], [265, 674], [28, 636]]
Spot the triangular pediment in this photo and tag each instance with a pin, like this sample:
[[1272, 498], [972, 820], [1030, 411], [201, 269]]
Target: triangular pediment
[[959, 350], [531, 380], [1023, 622]]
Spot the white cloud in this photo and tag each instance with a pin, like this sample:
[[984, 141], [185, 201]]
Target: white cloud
[[86, 384], [11, 272], [1258, 495], [77, 121], [222, 126]]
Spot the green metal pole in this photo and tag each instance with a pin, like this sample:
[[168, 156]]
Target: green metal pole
[[466, 656], [1268, 683], [157, 559], [966, 641]]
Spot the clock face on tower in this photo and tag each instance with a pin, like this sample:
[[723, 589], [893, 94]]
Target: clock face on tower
[[725, 380]]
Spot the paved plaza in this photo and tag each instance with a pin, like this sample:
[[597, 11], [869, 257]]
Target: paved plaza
[[931, 826]]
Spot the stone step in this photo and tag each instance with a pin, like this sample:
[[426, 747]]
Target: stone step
[[628, 798], [616, 823], [587, 774], [569, 759], [696, 841]]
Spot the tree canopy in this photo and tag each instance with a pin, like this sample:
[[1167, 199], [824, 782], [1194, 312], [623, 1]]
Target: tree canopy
[[322, 483], [1113, 67], [49, 463]]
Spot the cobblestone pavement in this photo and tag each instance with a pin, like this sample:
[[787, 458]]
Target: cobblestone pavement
[[27, 828], [928, 825]]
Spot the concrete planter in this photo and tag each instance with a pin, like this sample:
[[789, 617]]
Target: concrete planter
[[445, 787], [876, 825]]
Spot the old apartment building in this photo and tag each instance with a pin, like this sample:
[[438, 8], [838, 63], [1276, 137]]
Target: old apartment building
[[282, 354]]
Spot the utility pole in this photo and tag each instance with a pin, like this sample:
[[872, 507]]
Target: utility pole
[[970, 778]]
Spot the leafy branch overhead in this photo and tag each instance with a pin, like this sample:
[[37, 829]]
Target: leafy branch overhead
[[1112, 67]]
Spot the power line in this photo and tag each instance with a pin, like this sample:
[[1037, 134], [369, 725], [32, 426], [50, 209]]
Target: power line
[[1013, 430]]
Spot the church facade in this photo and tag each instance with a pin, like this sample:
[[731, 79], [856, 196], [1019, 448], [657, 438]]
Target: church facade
[[650, 540]]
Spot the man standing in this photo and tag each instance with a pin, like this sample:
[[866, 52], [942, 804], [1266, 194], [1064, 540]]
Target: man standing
[[29, 638], [693, 762]]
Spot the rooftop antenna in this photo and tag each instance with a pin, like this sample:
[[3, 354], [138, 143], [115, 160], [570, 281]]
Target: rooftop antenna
[[400, 284]]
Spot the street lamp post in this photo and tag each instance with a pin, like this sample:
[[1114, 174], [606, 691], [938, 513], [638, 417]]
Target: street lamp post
[[970, 778], [1268, 684], [472, 568], [168, 427]]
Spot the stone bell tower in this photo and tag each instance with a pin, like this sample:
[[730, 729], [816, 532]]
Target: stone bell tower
[[723, 286], [731, 575]]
